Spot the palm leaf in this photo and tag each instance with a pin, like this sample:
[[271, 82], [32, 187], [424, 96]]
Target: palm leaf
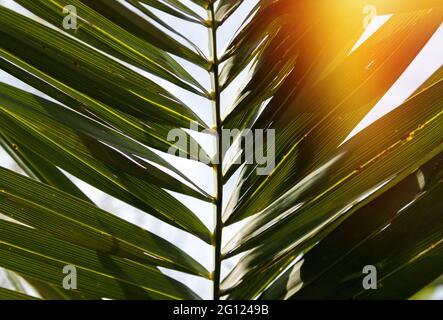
[[110, 101], [6, 294]]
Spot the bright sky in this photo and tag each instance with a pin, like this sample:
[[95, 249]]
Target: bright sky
[[429, 60]]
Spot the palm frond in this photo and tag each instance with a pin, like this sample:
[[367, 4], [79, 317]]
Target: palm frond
[[108, 99]]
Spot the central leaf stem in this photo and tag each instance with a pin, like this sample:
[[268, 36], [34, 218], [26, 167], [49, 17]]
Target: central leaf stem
[[218, 172]]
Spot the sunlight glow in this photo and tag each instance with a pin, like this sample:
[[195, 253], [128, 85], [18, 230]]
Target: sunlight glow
[[376, 24], [429, 60]]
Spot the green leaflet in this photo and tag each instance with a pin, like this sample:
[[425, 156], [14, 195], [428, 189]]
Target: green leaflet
[[62, 57], [6, 294], [69, 218], [38, 255], [302, 217], [109, 37], [330, 261]]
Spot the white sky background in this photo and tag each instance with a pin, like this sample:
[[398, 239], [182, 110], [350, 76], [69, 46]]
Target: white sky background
[[429, 60]]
